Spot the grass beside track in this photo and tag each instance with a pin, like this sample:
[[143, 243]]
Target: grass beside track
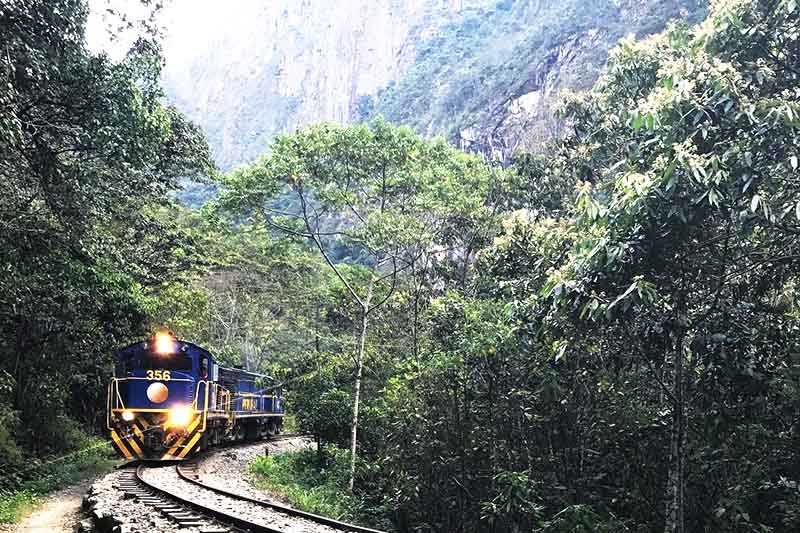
[[308, 484], [25, 486]]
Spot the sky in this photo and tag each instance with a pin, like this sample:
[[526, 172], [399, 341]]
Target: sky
[[188, 24]]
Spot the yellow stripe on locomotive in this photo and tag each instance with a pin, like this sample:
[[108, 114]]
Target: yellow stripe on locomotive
[[169, 399]]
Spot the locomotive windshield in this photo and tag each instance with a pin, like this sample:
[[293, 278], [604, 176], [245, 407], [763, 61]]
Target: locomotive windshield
[[173, 361]]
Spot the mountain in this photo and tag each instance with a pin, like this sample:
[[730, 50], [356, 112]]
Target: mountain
[[272, 66], [489, 81], [485, 73]]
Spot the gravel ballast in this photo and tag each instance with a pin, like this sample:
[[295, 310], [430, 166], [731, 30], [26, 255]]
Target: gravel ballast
[[110, 509]]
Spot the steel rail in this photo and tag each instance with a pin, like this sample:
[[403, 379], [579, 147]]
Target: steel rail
[[330, 522], [220, 516]]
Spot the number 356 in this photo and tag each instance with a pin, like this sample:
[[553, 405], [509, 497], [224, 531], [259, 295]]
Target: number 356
[[161, 375]]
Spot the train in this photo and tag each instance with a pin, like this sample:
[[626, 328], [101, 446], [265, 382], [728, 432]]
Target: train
[[169, 399]]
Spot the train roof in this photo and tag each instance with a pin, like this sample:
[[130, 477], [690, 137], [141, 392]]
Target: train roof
[[237, 373], [242, 373], [142, 342]]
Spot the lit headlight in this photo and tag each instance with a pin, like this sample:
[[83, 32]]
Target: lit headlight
[[164, 343], [127, 416], [180, 416]]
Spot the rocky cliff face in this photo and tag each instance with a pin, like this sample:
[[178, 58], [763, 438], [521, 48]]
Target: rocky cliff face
[[274, 65], [497, 76], [485, 73]]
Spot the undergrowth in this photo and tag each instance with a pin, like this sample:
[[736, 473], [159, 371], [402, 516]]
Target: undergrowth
[[312, 482], [14, 505], [22, 486]]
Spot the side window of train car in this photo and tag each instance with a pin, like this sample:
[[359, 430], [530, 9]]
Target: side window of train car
[[204, 368]]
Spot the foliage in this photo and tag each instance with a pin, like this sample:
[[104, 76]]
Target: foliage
[[87, 150], [13, 506], [380, 191], [22, 486], [310, 481], [253, 297], [627, 305], [629, 327], [603, 339]]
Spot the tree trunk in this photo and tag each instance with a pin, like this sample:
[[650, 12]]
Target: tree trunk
[[316, 329], [676, 483], [362, 337]]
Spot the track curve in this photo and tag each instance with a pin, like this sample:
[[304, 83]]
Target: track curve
[[176, 491], [186, 472]]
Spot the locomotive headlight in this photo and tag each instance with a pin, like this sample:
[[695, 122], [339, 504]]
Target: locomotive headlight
[[127, 416], [180, 416], [164, 343]]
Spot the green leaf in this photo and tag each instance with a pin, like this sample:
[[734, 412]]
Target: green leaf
[[754, 203], [793, 162], [624, 295], [561, 349]]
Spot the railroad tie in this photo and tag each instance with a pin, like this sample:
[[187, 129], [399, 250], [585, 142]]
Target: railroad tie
[[196, 523]]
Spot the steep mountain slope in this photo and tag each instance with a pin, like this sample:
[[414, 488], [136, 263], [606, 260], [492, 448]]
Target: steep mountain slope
[[271, 66], [485, 73], [489, 81]]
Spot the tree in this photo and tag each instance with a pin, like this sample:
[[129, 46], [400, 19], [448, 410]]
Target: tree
[[87, 150], [686, 154], [634, 322], [374, 190], [255, 299]]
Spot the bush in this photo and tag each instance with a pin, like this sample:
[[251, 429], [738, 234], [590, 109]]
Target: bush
[[14, 505], [23, 483], [580, 519], [310, 481]]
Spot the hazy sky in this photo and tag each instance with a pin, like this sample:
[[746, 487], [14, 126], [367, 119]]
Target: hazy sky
[[188, 24]]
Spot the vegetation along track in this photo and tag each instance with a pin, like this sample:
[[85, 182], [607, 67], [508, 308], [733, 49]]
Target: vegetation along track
[[177, 492]]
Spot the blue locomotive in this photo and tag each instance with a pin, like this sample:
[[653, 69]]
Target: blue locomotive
[[169, 399]]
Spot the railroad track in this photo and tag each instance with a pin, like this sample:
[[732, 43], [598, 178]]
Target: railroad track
[[131, 484], [178, 493], [288, 436]]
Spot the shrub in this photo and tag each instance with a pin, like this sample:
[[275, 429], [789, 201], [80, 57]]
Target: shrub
[[13, 505], [310, 481]]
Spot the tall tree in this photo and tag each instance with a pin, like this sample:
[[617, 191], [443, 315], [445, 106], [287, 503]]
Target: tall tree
[[634, 322], [375, 192], [87, 150], [687, 202]]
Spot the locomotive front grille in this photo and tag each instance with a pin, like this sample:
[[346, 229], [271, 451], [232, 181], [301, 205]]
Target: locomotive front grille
[[154, 438]]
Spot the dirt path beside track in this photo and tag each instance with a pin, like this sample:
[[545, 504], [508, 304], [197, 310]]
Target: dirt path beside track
[[58, 512]]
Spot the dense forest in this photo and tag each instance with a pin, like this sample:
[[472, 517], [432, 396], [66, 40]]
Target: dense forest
[[602, 336]]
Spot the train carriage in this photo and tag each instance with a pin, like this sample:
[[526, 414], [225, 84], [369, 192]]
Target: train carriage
[[169, 399]]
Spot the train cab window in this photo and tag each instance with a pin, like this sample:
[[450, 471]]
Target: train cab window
[[124, 366], [204, 368], [174, 361]]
